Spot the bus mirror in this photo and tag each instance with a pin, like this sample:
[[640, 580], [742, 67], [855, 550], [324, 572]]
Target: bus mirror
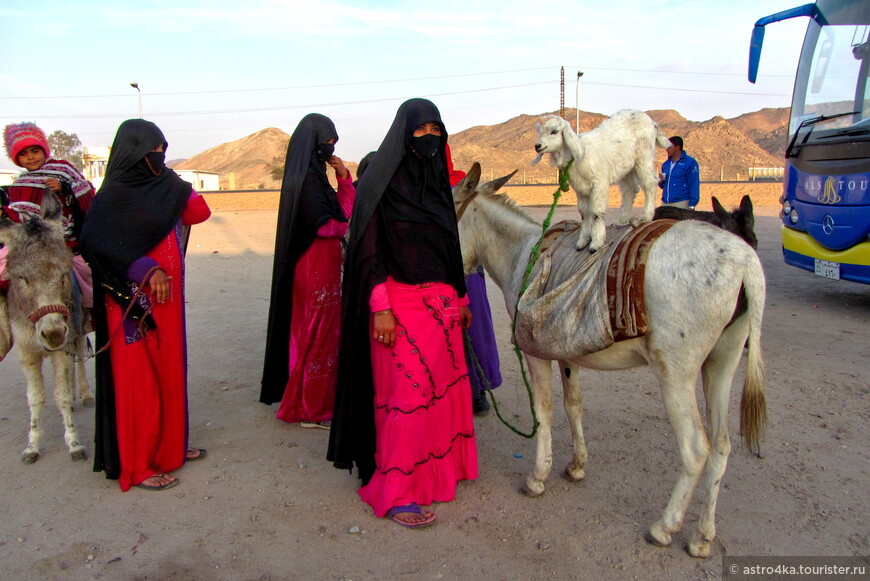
[[755, 51]]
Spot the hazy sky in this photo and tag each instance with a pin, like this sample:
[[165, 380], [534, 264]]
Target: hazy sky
[[213, 71]]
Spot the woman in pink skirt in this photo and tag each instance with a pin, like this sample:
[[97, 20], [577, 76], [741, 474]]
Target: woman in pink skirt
[[403, 403]]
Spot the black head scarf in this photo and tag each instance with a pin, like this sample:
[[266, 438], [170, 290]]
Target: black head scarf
[[307, 202], [139, 203], [399, 186]]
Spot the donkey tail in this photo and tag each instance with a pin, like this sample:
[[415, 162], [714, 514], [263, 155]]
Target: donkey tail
[[753, 407]]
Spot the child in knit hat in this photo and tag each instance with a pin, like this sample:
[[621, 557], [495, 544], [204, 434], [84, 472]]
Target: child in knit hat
[[28, 148]]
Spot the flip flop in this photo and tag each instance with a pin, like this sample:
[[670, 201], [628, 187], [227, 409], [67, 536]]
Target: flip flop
[[413, 508], [202, 455], [164, 486]]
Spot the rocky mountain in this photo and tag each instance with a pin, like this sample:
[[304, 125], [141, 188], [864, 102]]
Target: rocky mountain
[[244, 164], [724, 148]]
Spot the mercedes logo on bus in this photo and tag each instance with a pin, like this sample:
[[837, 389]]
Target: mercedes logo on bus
[[828, 225]]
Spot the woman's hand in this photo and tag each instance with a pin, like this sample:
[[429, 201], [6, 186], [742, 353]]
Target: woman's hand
[[340, 170], [384, 328], [465, 317], [159, 283]]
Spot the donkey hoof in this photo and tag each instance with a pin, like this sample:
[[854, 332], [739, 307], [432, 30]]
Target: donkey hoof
[[658, 536], [30, 457], [79, 455], [532, 492], [574, 475], [699, 547], [88, 402]]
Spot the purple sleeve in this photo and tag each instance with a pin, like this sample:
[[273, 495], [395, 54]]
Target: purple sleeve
[[139, 269]]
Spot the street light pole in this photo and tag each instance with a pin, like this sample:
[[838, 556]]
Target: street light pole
[[577, 103], [136, 86]]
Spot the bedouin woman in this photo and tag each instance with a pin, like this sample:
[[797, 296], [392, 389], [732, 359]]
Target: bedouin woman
[[403, 404], [301, 363], [132, 240]]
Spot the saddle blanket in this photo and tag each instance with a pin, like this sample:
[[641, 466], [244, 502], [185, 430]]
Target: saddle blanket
[[576, 303]]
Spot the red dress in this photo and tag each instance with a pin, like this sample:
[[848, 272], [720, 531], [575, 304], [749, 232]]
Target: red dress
[[150, 371], [314, 328]]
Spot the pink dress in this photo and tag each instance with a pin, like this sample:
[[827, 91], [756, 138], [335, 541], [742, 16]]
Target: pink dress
[[316, 322], [425, 441]]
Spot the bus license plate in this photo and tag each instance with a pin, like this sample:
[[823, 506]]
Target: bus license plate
[[828, 269]]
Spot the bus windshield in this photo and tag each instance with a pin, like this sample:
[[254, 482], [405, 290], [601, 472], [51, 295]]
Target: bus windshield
[[832, 90]]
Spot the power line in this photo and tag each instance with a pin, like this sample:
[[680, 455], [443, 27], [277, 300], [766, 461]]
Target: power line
[[688, 90], [667, 72], [381, 82], [390, 99], [288, 107], [292, 88]]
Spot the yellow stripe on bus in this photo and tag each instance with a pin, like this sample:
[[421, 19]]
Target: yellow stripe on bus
[[803, 243]]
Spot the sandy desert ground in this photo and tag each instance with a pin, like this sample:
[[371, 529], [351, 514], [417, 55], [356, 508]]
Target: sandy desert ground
[[265, 505]]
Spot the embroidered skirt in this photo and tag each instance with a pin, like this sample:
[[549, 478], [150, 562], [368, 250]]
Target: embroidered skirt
[[425, 441]]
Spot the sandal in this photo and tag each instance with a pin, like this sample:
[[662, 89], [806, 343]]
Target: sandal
[[324, 425], [412, 508], [167, 484], [201, 454]]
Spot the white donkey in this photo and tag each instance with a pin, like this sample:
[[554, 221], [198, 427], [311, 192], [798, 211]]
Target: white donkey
[[619, 151], [39, 299], [693, 278]]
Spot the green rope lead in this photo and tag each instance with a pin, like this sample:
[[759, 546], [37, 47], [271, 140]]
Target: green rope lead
[[533, 258]]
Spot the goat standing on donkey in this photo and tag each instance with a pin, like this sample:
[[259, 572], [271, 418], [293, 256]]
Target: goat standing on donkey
[[619, 151]]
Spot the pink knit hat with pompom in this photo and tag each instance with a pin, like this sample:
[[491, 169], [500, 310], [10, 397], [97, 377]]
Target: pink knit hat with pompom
[[17, 136]]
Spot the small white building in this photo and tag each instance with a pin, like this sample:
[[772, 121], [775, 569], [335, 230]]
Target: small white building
[[7, 176], [96, 159], [766, 173], [201, 180]]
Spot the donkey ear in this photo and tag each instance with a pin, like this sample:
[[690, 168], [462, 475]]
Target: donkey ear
[[496, 184], [718, 209], [746, 206], [51, 207], [467, 184]]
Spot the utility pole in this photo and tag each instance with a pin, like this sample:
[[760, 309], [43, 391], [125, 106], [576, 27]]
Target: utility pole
[[562, 94], [577, 104]]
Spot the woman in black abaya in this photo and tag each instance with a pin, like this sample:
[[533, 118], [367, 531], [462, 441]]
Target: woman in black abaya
[[403, 404], [300, 366]]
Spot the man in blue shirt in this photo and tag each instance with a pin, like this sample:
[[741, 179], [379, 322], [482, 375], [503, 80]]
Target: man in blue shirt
[[680, 179]]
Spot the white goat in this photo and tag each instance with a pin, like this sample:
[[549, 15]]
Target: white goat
[[619, 151]]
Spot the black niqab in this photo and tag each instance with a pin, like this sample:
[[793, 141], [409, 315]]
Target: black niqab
[[134, 209], [404, 225], [307, 202]]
